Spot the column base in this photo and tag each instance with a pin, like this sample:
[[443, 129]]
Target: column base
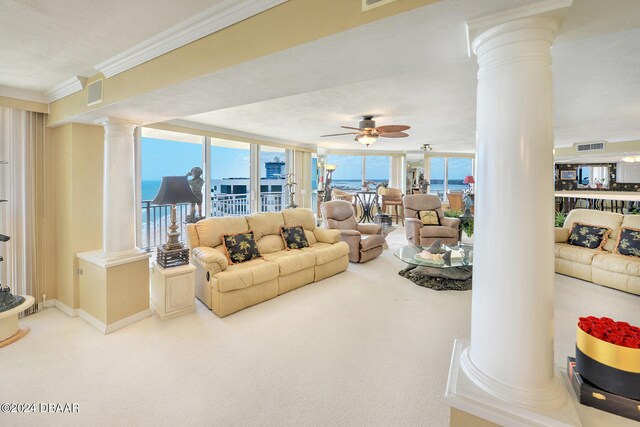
[[114, 291], [465, 395]]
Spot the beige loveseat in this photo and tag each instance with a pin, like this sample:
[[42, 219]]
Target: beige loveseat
[[228, 288], [598, 266]]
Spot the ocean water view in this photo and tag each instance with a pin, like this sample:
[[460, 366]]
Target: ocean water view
[[150, 187]]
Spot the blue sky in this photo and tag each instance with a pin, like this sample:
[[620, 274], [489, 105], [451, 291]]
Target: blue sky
[[164, 158]]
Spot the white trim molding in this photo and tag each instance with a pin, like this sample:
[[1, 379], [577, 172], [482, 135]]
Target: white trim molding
[[111, 260], [112, 327], [66, 88], [71, 312], [223, 15]]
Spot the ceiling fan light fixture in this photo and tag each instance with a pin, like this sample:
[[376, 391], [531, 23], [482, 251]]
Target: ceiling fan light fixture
[[426, 147], [366, 140]]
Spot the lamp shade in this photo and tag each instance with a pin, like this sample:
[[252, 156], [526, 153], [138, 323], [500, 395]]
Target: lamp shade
[[469, 180], [174, 190]]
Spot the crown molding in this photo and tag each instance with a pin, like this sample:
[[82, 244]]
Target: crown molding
[[223, 15], [66, 88], [25, 95]]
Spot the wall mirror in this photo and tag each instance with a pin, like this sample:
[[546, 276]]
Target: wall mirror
[[589, 176]]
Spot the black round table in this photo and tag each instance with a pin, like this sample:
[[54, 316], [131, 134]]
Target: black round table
[[367, 200]]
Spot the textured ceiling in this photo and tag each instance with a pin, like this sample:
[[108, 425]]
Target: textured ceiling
[[408, 69], [420, 76], [44, 42]]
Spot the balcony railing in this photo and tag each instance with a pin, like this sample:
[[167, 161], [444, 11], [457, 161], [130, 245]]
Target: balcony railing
[[156, 219]]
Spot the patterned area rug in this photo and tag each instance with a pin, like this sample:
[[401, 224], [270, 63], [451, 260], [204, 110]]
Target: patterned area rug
[[458, 279]]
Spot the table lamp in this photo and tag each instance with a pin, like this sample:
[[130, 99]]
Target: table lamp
[[173, 190], [469, 180]]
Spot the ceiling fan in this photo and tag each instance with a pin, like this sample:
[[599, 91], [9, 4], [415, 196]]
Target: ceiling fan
[[367, 132]]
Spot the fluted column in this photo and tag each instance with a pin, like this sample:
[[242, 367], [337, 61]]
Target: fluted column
[[511, 351], [118, 227]]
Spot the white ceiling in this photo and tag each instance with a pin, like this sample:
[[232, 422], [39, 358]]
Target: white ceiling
[[44, 42], [408, 69]]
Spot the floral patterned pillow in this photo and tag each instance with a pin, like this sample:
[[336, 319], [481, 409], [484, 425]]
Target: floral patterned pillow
[[588, 236], [294, 237], [628, 242], [240, 247], [429, 217]]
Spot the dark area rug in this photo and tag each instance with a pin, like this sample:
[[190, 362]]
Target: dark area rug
[[449, 279]]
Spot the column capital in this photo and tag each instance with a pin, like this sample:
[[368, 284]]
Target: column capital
[[549, 13], [115, 122]]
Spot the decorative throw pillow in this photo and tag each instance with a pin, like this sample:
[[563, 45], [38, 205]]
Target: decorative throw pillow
[[588, 236], [429, 217], [628, 242], [240, 247], [294, 237]]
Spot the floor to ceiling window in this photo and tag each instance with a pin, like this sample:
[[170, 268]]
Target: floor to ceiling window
[[458, 168], [230, 178], [164, 154], [348, 173], [273, 171], [377, 170], [437, 176], [448, 174]]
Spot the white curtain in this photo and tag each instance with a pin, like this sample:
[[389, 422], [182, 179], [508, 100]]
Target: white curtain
[[21, 145]]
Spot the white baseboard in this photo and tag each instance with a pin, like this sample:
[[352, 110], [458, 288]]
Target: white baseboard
[[71, 312], [107, 329], [128, 320]]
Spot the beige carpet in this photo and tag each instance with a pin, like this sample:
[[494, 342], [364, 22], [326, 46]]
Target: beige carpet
[[364, 348]]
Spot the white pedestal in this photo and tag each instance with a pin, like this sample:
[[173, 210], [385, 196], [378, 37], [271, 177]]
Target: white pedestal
[[173, 290], [9, 322], [465, 395]]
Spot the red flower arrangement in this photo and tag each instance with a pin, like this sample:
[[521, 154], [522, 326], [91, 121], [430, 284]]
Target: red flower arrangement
[[606, 329]]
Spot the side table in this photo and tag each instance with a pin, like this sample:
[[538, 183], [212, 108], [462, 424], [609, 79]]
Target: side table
[[173, 290]]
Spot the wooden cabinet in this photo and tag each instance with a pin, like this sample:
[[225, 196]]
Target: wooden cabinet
[[172, 290]]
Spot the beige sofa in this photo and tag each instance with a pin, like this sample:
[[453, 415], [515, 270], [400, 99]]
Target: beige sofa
[[226, 288], [598, 266]]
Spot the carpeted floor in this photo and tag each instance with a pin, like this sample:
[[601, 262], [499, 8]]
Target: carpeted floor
[[364, 348]]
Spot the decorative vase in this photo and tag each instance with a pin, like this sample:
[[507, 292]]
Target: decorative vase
[[611, 367]]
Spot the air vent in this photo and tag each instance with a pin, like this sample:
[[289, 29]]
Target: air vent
[[370, 4], [94, 92], [595, 146]]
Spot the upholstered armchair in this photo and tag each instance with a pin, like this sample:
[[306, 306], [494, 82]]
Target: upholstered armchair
[[423, 235], [365, 240]]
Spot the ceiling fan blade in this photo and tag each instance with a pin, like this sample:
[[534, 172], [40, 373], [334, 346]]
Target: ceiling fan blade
[[338, 134], [393, 135], [393, 128], [349, 127]]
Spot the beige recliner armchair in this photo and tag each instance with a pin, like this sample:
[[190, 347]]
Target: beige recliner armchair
[[423, 235], [365, 240]]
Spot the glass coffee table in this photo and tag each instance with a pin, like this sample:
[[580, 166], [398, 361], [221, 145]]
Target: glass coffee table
[[454, 274]]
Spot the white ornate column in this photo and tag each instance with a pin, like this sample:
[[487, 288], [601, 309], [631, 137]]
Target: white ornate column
[[114, 280], [510, 357], [118, 224]]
